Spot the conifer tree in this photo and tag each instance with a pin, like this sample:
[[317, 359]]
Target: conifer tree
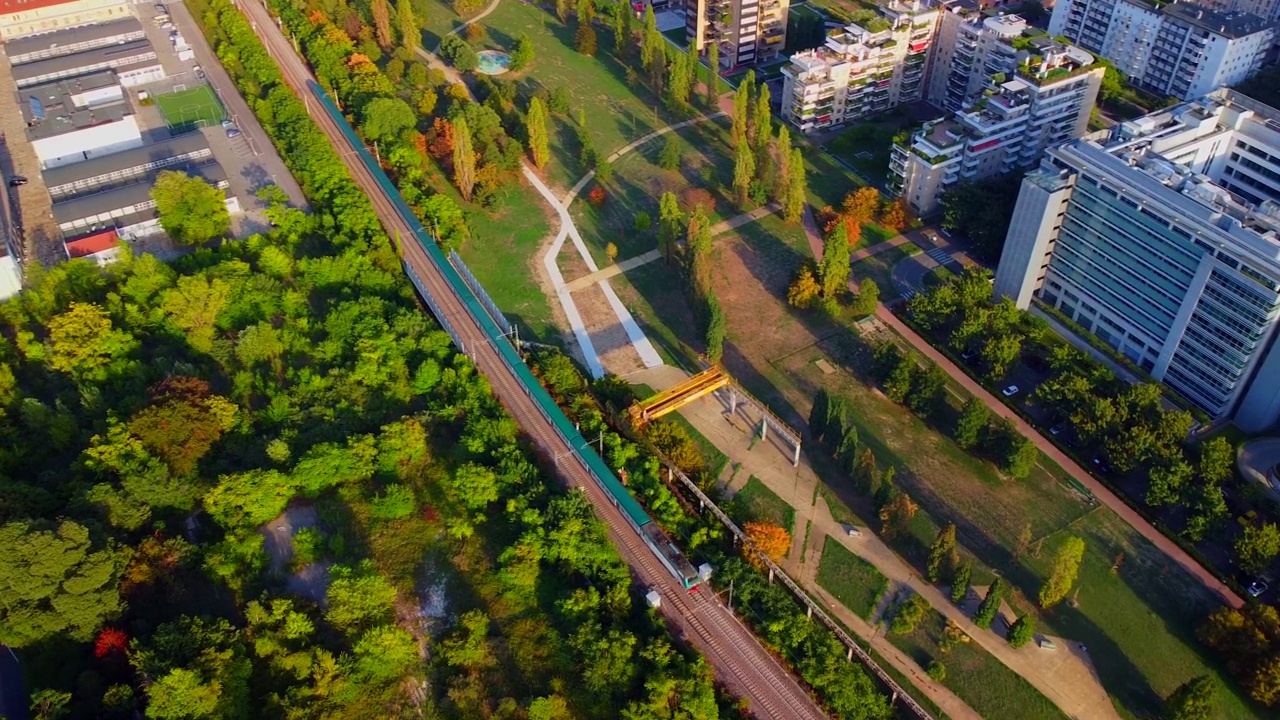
[[942, 554], [382, 24], [464, 159], [960, 583]]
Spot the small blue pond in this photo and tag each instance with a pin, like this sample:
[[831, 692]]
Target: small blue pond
[[493, 62]]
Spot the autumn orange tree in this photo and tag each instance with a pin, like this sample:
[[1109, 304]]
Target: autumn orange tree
[[896, 515], [861, 205], [769, 539]]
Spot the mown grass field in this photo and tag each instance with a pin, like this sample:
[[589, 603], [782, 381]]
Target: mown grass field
[[856, 583], [755, 501]]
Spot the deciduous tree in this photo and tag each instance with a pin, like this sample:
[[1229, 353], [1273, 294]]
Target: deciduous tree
[[769, 539], [410, 31], [961, 582], [797, 189], [744, 171], [1257, 546], [895, 516], [833, 271], [56, 583], [1063, 572], [536, 128], [713, 76], [192, 212], [971, 423], [804, 290]]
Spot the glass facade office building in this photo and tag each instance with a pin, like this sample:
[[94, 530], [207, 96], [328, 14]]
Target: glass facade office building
[[1161, 239]]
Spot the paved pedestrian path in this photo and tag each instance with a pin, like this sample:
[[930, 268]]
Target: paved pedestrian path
[[1065, 676], [617, 268], [878, 248]]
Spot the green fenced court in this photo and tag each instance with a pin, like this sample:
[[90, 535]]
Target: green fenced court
[[196, 106]]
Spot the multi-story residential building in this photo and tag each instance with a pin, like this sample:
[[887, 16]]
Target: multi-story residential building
[[1162, 238], [19, 18], [1180, 49], [747, 31], [1017, 93], [862, 69]]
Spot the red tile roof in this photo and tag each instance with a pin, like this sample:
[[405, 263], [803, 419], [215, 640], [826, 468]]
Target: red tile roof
[[13, 6], [91, 244]]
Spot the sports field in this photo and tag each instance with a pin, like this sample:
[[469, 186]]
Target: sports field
[[191, 106]]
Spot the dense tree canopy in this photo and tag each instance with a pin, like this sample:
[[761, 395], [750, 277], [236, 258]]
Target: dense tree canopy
[[192, 211]]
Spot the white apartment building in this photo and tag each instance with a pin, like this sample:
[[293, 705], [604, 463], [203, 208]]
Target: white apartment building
[[1180, 49], [1015, 92], [862, 69], [1266, 9], [746, 31], [1162, 238]]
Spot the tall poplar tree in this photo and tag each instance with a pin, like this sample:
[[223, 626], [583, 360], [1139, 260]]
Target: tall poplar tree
[[410, 31], [713, 76], [764, 132], [670, 220], [382, 24], [744, 171], [797, 188], [833, 271], [781, 188], [622, 30], [536, 128], [464, 158], [678, 81], [741, 112]]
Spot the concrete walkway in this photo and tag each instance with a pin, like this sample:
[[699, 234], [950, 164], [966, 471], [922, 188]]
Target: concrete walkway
[[1064, 676], [878, 248], [617, 268]]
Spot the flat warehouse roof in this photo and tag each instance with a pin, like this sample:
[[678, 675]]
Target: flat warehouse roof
[[127, 196], [49, 92], [71, 36], [70, 63], [102, 165]]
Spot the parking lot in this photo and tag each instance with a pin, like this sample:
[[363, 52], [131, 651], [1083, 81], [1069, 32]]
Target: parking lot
[[241, 147]]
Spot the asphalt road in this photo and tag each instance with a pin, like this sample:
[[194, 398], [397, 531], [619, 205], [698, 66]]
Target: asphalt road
[[740, 661]]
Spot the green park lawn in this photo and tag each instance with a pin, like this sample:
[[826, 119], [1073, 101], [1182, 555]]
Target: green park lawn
[[982, 681], [866, 147], [619, 112], [856, 583], [755, 501]]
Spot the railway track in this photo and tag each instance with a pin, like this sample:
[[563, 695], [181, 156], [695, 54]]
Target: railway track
[[741, 663]]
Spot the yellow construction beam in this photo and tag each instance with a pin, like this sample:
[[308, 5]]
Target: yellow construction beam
[[673, 398]]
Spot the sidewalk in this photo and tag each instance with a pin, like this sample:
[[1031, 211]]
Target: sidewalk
[[1065, 677]]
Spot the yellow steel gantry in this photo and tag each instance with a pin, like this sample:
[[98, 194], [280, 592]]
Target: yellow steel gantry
[[673, 398]]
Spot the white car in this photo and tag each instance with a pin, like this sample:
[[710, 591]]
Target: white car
[[1010, 391], [852, 531]]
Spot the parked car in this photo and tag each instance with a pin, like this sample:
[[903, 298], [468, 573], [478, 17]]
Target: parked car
[[199, 72], [1057, 429], [162, 9], [852, 531], [1102, 465], [1010, 391], [233, 132], [1257, 587], [17, 180]]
